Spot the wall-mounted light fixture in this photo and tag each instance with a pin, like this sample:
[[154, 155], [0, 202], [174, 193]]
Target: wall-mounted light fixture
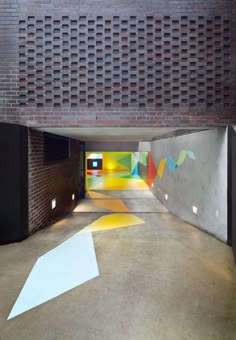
[[166, 197], [152, 185], [73, 197], [194, 210], [54, 203]]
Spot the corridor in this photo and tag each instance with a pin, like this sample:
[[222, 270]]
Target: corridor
[[161, 279]]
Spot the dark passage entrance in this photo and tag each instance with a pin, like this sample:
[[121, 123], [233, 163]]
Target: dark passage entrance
[[13, 183], [232, 189]]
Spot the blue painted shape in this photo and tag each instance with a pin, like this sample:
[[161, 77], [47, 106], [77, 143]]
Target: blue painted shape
[[135, 171], [191, 155], [171, 163], [65, 267]]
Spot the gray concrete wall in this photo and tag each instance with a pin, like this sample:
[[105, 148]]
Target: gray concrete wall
[[111, 146], [201, 182], [143, 172], [144, 146]]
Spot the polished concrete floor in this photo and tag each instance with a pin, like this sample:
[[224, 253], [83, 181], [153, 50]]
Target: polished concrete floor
[[145, 202], [162, 280]]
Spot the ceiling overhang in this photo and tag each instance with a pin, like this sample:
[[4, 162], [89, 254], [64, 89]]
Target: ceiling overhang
[[118, 134]]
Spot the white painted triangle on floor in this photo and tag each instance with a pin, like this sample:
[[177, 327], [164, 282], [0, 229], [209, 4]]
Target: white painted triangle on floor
[[63, 268]]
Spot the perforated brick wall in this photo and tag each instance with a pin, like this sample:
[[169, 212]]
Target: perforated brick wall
[[163, 62], [48, 181], [123, 63]]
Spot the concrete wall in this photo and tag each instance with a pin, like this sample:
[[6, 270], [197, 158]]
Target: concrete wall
[[232, 189], [143, 172], [111, 146], [201, 182]]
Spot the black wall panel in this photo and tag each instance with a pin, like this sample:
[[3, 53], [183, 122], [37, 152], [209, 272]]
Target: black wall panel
[[94, 164], [13, 183], [232, 189]]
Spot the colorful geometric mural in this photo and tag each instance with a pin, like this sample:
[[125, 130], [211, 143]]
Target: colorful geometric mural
[[119, 172], [168, 161], [116, 161], [171, 164]]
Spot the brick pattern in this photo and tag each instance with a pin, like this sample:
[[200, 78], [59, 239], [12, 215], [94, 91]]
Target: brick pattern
[[70, 103], [126, 7], [9, 17], [46, 182], [163, 62]]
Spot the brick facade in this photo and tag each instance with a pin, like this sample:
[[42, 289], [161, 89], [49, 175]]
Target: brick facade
[[120, 63], [9, 61], [57, 180]]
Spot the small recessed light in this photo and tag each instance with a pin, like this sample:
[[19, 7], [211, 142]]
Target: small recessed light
[[54, 203], [166, 197], [73, 197], [194, 210]]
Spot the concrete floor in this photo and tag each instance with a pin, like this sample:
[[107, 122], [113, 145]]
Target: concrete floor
[[145, 202], [163, 280]]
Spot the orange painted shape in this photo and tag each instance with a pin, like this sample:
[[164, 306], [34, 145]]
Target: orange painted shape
[[97, 195], [161, 168], [151, 169], [114, 205]]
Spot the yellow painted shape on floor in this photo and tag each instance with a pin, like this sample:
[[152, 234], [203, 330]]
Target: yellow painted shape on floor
[[115, 183], [114, 221], [116, 205], [97, 195]]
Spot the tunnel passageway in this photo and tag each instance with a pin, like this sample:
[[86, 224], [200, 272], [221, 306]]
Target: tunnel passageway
[[157, 275]]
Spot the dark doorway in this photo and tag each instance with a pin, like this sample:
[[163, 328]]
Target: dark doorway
[[232, 189], [82, 169], [13, 183]]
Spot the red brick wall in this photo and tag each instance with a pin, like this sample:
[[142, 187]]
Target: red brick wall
[[46, 182], [121, 63]]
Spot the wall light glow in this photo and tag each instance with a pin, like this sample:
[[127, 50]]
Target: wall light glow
[[194, 210], [111, 166], [54, 203], [73, 197], [166, 197], [94, 156]]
